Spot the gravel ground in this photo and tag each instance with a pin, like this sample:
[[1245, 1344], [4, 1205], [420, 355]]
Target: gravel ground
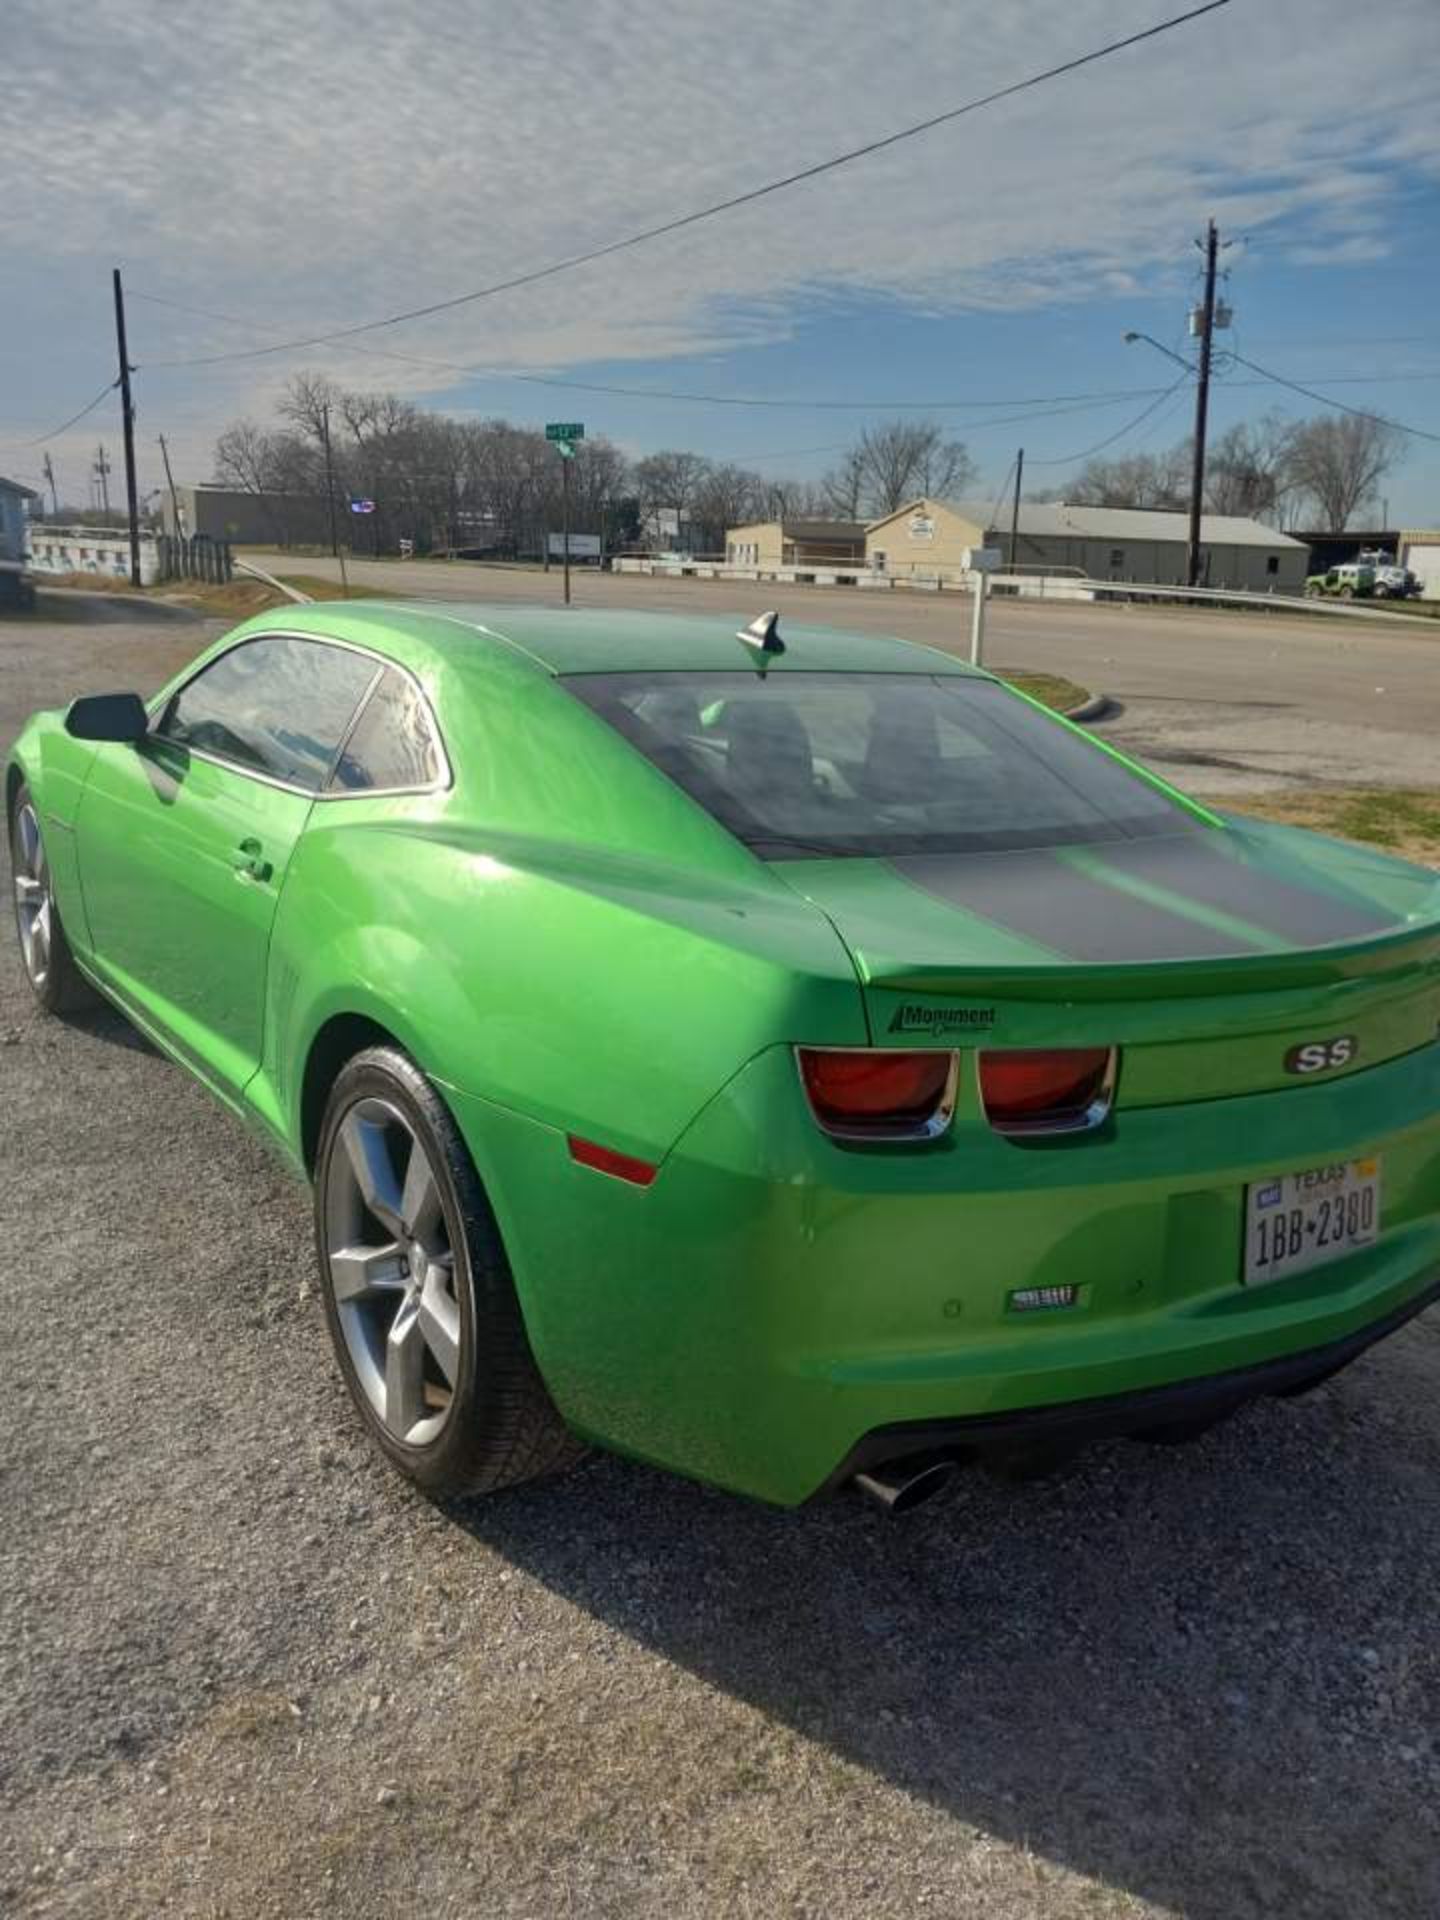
[[244, 1671]]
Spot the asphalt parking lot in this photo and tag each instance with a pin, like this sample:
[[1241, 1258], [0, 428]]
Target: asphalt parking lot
[[1216, 699], [245, 1671]]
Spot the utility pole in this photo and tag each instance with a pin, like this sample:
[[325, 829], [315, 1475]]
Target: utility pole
[[174, 497], [1015, 508], [1202, 409], [127, 414], [49, 472], [330, 496], [102, 474]]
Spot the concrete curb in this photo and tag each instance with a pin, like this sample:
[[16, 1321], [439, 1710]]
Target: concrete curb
[[1095, 708]]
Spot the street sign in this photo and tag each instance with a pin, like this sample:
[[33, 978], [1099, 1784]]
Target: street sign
[[362, 506], [583, 546], [564, 430]]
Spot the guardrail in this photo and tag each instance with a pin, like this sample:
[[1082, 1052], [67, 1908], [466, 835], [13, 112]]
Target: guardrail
[[1051, 585], [1233, 596]]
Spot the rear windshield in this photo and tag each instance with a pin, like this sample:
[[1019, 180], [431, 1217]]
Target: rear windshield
[[804, 764]]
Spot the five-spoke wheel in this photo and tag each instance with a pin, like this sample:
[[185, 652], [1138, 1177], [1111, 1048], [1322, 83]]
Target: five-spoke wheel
[[392, 1270], [418, 1292], [50, 966], [34, 907]]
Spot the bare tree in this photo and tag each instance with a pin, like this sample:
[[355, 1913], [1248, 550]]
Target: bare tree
[[669, 479], [727, 496], [1247, 469], [1337, 462], [1135, 480], [844, 485], [904, 458]]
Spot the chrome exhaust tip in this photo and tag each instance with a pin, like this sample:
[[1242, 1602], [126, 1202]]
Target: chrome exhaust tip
[[902, 1485]]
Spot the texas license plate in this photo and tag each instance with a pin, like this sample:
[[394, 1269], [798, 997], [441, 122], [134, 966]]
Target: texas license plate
[[1300, 1220]]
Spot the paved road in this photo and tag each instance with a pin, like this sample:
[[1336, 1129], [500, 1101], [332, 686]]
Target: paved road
[[1219, 701], [244, 1672]]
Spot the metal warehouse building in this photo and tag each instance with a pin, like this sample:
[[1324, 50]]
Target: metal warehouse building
[[928, 538]]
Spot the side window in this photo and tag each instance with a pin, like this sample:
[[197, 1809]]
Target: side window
[[279, 706], [1272, 563], [393, 744]]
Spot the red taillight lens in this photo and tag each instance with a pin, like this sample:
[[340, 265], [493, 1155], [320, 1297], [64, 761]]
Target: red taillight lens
[[1045, 1090], [868, 1095]]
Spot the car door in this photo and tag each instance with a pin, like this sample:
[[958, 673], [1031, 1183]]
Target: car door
[[184, 840]]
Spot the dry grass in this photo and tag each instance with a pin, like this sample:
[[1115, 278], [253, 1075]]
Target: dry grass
[[1051, 689], [1404, 821]]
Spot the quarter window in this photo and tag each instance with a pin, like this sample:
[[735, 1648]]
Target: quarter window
[[278, 706], [393, 743]]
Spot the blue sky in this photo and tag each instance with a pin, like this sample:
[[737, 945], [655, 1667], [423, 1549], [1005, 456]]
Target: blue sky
[[304, 169]]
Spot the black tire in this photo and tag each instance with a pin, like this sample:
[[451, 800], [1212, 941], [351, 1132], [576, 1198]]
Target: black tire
[[501, 1427], [60, 987]]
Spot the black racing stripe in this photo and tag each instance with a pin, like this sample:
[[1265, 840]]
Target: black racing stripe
[[1201, 867], [1034, 892]]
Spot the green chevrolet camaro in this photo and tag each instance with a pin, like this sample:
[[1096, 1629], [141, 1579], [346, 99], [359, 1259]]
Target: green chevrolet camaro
[[786, 1058]]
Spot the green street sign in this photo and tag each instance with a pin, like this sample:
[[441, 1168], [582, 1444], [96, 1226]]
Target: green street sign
[[565, 430], [565, 450]]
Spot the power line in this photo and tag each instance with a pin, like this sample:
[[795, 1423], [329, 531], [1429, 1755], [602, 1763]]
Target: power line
[[74, 419], [1063, 401], [1064, 459], [676, 225], [1325, 400]]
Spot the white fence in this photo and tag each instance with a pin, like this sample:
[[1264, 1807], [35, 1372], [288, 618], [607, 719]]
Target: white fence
[[1038, 586], [102, 550]]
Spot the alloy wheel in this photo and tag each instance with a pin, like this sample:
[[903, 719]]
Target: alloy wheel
[[391, 1268], [34, 903]]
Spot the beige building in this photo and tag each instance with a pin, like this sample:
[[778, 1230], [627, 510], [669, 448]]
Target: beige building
[[769, 544], [928, 538]]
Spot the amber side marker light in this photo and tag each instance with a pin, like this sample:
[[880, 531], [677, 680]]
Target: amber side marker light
[[864, 1093], [624, 1166], [1039, 1090]]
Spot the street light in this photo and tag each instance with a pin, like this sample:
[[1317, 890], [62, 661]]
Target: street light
[[1150, 340]]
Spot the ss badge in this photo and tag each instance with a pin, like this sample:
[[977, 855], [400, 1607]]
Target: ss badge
[[1315, 1056]]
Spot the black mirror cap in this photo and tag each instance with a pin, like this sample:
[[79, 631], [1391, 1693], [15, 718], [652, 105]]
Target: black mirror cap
[[108, 716]]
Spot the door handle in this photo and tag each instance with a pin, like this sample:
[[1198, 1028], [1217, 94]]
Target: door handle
[[250, 862]]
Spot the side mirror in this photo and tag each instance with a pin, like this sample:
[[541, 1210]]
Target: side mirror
[[108, 716]]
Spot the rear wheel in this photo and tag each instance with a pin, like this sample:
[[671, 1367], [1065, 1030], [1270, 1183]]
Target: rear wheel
[[55, 980], [418, 1292]]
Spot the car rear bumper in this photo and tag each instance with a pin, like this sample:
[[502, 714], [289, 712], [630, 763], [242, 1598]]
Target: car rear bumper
[[774, 1300], [1152, 1413]]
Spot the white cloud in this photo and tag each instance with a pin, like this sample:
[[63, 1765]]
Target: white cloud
[[310, 166]]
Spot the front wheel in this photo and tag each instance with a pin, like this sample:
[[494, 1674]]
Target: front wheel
[[418, 1292], [55, 980]]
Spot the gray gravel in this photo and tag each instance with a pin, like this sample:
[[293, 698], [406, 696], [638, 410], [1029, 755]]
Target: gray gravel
[[244, 1671]]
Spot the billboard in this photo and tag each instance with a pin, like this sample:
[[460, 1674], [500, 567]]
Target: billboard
[[583, 546]]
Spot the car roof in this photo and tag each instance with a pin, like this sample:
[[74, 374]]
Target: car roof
[[577, 640]]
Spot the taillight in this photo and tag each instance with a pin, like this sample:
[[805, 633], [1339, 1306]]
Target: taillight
[[867, 1094], [1047, 1089]]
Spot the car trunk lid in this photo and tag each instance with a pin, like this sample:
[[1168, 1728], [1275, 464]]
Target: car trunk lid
[[1210, 955]]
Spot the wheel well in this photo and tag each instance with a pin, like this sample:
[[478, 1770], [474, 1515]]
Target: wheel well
[[14, 780], [339, 1040]]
